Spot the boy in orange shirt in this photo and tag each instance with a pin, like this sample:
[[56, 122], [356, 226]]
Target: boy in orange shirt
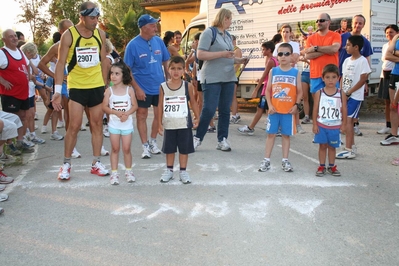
[[283, 95]]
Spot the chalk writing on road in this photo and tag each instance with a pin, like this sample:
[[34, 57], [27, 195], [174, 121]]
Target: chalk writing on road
[[255, 212]]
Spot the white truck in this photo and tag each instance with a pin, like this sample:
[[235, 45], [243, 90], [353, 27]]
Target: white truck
[[257, 21]]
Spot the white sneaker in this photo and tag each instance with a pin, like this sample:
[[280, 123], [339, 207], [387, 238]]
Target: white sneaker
[[44, 130], [245, 130], [75, 154], [105, 131], [104, 152], [146, 152], [36, 126], [153, 147], [56, 136], [300, 130], [184, 177], [83, 128], [223, 145], [37, 140], [36, 116], [385, 130], [99, 169], [60, 124], [166, 176], [130, 176], [114, 179], [65, 171], [196, 142]]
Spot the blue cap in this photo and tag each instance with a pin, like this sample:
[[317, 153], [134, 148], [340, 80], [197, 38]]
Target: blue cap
[[146, 19]]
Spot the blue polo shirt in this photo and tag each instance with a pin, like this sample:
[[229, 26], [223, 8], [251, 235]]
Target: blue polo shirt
[[145, 60]]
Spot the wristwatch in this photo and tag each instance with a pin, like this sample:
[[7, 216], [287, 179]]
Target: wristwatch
[[316, 48]]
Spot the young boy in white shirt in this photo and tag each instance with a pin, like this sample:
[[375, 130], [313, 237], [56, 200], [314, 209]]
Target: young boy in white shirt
[[355, 71]]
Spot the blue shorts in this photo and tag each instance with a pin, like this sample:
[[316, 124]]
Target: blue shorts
[[120, 132], [50, 83], [305, 77], [39, 79], [353, 107], [317, 84], [285, 122], [329, 136], [31, 101]]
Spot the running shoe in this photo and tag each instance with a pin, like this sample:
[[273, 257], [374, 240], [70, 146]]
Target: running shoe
[[286, 166], [130, 178], [357, 131], [60, 124], [75, 154], [105, 131], [13, 150], [99, 169], [146, 152], [37, 140], [166, 176], [306, 120], [345, 154], [104, 152], [3, 197], [56, 136], [196, 142], [300, 130], [264, 166], [211, 129], [246, 130], [2, 187], [390, 140], [385, 130], [25, 147], [333, 171], [235, 119], [321, 171], [65, 171], [114, 179], [184, 177], [154, 147], [223, 145], [44, 130], [36, 117], [4, 179]]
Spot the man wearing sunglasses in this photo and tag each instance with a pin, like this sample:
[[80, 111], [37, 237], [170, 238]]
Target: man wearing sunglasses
[[321, 49], [81, 48]]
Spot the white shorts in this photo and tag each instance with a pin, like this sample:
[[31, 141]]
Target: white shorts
[[11, 125]]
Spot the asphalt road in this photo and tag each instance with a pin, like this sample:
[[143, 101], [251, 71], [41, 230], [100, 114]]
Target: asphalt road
[[230, 215]]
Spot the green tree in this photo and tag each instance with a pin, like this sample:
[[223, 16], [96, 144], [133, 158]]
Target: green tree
[[119, 20], [33, 13], [65, 9]]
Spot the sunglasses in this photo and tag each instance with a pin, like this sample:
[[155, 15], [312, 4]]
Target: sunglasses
[[321, 20], [285, 54]]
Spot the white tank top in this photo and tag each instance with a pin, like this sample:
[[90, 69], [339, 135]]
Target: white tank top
[[120, 103], [330, 114], [176, 114]]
